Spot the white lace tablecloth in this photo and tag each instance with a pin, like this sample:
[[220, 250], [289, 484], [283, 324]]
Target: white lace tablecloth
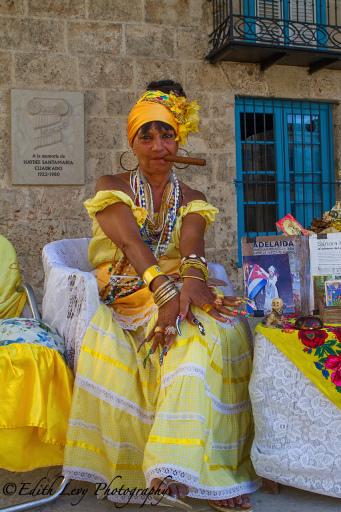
[[297, 429]]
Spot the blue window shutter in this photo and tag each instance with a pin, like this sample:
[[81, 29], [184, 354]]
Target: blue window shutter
[[303, 169], [250, 13], [239, 177], [313, 12]]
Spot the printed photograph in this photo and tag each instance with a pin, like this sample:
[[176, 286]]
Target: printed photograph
[[267, 278], [333, 293]]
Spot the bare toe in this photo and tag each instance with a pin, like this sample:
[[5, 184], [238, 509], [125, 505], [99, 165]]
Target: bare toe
[[246, 501], [177, 490]]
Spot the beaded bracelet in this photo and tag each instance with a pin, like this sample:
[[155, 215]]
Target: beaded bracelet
[[188, 264], [194, 257]]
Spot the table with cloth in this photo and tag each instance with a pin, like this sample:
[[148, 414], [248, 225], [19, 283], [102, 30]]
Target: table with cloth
[[295, 390], [36, 384]]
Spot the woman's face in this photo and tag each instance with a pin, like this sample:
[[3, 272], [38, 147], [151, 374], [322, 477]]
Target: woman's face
[[152, 145]]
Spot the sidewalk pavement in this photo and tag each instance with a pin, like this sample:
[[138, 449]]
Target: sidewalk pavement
[[288, 500]]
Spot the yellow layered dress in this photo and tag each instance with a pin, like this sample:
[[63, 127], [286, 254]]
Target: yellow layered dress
[[189, 419]]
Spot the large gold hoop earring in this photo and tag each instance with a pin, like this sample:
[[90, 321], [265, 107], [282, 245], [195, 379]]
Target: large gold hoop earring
[[182, 166], [126, 161]]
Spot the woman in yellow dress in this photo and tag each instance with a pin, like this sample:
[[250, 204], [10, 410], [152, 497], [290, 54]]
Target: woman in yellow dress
[[154, 407]]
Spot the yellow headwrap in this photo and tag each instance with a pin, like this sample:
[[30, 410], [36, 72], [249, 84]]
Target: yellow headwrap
[[176, 111]]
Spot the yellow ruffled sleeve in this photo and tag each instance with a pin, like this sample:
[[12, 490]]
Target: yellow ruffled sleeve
[[105, 198], [101, 248], [206, 210]]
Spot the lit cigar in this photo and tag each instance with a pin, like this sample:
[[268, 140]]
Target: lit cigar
[[185, 160]]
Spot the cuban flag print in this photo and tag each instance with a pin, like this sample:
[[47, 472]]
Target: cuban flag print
[[257, 279]]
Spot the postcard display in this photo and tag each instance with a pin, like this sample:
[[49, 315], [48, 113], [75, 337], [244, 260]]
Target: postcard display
[[277, 266], [325, 270]]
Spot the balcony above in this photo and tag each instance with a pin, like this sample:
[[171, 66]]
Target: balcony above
[[289, 32]]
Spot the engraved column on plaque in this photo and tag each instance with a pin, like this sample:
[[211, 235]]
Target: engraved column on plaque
[[47, 137]]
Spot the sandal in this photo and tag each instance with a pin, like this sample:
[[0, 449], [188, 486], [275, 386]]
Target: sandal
[[168, 500], [237, 508]]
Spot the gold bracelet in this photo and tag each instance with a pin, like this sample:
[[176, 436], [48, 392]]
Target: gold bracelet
[[163, 286], [163, 289], [195, 277], [151, 273], [194, 263], [165, 301], [199, 266], [157, 298], [167, 298]]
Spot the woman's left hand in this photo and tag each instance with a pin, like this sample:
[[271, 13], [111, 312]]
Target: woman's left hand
[[197, 293]]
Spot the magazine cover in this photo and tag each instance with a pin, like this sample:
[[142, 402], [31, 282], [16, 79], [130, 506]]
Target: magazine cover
[[297, 249], [266, 278]]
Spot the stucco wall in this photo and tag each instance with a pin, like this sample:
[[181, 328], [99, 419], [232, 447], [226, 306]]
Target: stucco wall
[[110, 49]]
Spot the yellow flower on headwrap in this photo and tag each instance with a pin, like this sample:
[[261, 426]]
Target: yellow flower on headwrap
[[185, 113]]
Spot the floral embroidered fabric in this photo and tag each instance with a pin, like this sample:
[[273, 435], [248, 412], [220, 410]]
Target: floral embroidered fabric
[[316, 353], [29, 330]]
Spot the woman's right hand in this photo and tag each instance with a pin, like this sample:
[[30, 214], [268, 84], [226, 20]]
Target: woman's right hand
[[164, 331]]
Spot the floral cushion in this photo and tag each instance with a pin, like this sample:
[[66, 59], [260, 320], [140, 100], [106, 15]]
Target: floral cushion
[[29, 330]]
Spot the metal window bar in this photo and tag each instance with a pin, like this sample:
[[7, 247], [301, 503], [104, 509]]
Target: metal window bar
[[281, 167], [294, 23]]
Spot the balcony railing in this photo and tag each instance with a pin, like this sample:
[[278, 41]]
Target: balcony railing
[[275, 30]]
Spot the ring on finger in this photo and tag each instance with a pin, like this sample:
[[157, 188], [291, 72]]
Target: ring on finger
[[218, 301], [170, 330], [207, 307], [158, 329]]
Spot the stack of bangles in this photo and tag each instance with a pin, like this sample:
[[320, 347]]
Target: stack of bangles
[[166, 291], [194, 261]]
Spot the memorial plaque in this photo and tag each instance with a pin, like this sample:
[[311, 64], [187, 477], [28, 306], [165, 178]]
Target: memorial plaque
[[47, 137]]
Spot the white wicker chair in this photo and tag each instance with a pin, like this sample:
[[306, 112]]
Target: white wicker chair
[[71, 294]]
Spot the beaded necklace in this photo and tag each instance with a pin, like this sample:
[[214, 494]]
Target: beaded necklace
[[156, 232]]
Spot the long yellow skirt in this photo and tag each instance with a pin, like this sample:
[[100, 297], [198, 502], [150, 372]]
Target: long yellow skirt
[[189, 419]]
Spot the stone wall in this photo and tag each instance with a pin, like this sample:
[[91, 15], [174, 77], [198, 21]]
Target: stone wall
[[110, 49]]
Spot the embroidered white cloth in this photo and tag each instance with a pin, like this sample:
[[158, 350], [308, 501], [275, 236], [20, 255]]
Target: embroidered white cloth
[[70, 292], [297, 429]]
